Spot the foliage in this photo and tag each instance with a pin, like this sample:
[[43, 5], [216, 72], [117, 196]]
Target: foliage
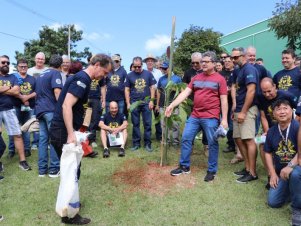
[[286, 22], [194, 39], [51, 42]]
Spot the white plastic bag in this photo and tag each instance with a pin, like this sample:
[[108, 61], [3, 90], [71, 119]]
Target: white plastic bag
[[67, 204]]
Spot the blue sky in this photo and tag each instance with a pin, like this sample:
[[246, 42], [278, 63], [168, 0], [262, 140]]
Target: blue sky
[[131, 28]]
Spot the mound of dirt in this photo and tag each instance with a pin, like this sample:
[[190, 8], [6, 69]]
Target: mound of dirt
[[151, 178]]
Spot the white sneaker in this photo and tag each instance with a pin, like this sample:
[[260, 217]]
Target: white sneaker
[[54, 174], [94, 145]]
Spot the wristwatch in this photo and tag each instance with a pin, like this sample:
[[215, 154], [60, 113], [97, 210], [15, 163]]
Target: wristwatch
[[291, 165]]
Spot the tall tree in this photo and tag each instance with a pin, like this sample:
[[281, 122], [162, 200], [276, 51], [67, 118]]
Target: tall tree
[[53, 42], [195, 39], [286, 22]]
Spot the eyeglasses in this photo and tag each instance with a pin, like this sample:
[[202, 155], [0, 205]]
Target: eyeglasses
[[206, 61], [5, 62], [223, 57], [22, 67], [136, 67], [195, 62], [162, 68], [116, 61], [235, 57]]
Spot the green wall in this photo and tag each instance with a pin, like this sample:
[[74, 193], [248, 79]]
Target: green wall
[[266, 43]]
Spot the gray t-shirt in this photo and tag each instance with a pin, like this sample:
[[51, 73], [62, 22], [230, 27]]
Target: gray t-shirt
[[35, 72]]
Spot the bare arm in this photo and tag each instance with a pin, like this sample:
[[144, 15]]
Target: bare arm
[[14, 91], [57, 92], [274, 177], [69, 102], [127, 96], [233, 96], [152, 91], [105, 127], [3, 89], [25, 98], [224, 106], [264, 122], [103, 90]]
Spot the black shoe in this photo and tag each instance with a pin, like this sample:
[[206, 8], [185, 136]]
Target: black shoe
[[24, 165], [77, 220], [121, 152], [1, 178], [242, 172], [93, 154], [106, 153], [1, 218], [268, 186], [148, 148], [180, 170], [27, 153], [229, 149], [209, 176], [1, 167], [135, 148], [246, 178]]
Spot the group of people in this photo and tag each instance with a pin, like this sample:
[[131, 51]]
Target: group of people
[[235, 92]]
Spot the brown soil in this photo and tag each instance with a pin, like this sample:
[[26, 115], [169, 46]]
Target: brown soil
[[151, 178]]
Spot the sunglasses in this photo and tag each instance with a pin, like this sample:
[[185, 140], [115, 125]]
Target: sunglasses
[[137, 67], [22, 67], [223, 57], [5, 62], [116, 61], [162, 68], [235, 57]]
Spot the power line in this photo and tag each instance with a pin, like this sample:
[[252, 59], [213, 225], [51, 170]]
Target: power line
[[15, 36]]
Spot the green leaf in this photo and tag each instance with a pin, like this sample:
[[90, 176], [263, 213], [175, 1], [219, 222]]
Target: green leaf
[[135, 105], [158, 119]]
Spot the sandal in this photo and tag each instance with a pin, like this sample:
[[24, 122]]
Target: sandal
[[236, 160]]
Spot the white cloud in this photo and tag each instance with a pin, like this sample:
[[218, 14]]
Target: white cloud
[[97, 36], [159, 42]]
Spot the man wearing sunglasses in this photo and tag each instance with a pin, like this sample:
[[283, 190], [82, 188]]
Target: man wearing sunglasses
[[9, 89], [139, 85], [281, 154], [243, 91]]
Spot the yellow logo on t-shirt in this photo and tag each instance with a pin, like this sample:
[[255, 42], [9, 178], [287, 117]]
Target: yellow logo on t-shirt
[[94, 84], [285, 82], [113, 125], [5, 83], [270, 112], [140, 84], [25, 88], [285, 152], [115, 79]]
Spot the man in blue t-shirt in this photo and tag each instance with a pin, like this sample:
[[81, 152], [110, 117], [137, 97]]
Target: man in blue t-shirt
[[139, 86], [281, 153], [68, 115], [24, 104], [289, 79], [9, 89], [173, 133], [114, 123], [243, 90], [48, 88], [114, 83]]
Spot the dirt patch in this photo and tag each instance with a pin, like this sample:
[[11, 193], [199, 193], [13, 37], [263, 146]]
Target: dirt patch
[[151, 178]]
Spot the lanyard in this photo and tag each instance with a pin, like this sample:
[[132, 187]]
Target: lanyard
[[286, 135]]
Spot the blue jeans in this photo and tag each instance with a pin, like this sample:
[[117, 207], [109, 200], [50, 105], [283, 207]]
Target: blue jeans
[[54, 165], [192, 127], [287, 190], [23, 116], [120, 106], [147, 124]]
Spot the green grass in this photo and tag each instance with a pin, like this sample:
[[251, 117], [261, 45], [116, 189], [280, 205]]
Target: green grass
[[26, 199]]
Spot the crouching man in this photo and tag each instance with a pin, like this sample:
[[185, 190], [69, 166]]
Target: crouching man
[[113, 124], [282, 160]]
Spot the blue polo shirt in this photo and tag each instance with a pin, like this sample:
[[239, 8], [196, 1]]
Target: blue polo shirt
[[115, 85], [162, 83], [289, 80], [242, 77], [266, 105], [79, 86], [139, 84], [27, 86], [7, 101], [45, 85], [273, 144]]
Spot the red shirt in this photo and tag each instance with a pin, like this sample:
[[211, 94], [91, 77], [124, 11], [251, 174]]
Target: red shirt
[[207, 90]]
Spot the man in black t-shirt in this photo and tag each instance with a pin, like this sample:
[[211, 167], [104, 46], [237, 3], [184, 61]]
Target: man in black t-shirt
[[68, 115], [114, 123]]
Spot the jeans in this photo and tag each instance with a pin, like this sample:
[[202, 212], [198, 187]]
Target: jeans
[[23, 116], [230, 140], [158, 126], [287, 190], [192, 127], [54, 165], [95, 118], [120, 104], [147, 124]]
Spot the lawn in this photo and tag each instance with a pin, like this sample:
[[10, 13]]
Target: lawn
[[134, 190]]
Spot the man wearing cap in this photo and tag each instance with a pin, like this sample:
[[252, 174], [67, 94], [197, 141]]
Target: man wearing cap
[[162, 83], [150, 61], [114, 83], [139, 85]]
